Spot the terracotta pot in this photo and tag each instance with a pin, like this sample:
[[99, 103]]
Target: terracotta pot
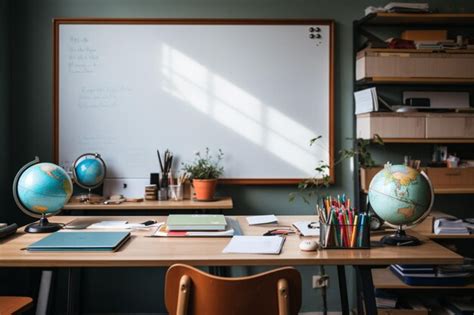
[[204, 188]]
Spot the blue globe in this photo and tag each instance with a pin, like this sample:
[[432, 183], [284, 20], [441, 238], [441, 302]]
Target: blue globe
[[44, 188], [400, 195], [90, 172]]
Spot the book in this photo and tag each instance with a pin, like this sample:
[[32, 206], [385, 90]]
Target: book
[[255, 244], [196, 222], [431, 279], [448, 226], [233, 228], [80, 241]]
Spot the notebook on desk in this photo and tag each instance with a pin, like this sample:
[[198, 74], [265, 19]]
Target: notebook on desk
[[81, 241]]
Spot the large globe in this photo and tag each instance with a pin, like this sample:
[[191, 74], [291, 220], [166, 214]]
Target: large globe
[[90, 172], [400, 195], [44, 188]]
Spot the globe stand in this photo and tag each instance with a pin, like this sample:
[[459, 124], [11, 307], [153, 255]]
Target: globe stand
[[400, 238], [43, 226]]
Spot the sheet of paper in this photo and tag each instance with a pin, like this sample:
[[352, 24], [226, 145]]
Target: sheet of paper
[[117, 225], [364, 101], [262, 219], [305, 230], [255, 244]]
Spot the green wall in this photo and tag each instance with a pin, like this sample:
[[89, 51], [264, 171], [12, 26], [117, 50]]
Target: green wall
[[30, 100], [4, 111]]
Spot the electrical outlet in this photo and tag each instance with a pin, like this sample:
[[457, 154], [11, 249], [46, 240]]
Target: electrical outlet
[[320, 281]]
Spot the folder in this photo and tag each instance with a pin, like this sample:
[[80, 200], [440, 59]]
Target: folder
[[81, 241]]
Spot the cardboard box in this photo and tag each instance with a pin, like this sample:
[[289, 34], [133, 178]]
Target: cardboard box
[[389, 64], [396, 311], [425, 35], [366, 175], [443, 177]]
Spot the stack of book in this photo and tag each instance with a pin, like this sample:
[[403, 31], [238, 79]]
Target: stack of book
[[450, 226], [428, 275], [198, 225]]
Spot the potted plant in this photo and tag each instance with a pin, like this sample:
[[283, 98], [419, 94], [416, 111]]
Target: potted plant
[[204, 172]]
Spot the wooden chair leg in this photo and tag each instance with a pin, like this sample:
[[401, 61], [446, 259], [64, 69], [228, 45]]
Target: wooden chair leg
[[183, 295], [283, 297]]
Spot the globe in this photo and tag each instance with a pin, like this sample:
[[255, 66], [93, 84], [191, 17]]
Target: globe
[[402, 197], [41, 190], [89, 172]]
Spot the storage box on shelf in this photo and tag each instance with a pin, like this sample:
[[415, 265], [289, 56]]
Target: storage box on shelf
[[430, 126], [400, 64], [445, 180]]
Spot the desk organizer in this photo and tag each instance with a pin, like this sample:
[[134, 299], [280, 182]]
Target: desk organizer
[[337, 236]]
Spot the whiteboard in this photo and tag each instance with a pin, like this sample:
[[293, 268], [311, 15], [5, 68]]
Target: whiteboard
[[258, 90]]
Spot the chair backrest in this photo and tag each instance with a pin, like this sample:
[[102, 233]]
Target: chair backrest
[[14, 304], [190, 291]]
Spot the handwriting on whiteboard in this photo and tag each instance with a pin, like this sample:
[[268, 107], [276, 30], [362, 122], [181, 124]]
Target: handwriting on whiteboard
[[101, 97], [82, 56]]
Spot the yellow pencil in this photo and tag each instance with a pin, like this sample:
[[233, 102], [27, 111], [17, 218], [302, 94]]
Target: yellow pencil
[[354, 231]]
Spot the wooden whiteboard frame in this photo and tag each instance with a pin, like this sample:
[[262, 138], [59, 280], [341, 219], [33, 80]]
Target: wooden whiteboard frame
[[239, 181]]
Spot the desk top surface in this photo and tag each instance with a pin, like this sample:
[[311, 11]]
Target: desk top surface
[[187, 204], [143, 251]]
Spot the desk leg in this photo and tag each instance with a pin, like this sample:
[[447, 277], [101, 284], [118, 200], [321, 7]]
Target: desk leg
[[365, 274], [73, 291], [341, 275], [44, 293]]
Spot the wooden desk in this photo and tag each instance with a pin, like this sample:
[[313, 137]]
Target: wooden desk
[[142, 251], [187, 204]]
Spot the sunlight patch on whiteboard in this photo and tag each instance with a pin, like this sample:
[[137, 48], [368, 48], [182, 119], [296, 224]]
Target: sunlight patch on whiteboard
[[240, 111]]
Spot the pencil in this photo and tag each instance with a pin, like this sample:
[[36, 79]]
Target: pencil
[[354, 231]]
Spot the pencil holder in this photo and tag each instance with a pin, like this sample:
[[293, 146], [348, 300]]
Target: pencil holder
[[337, 236], [175, 192]]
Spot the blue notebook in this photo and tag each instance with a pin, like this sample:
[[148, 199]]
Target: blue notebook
[[81, 241]]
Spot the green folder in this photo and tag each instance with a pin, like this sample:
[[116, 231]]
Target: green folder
[[81, 241], [196, 222]]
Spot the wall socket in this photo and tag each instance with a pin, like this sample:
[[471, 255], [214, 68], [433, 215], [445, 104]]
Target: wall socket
[[320, 281]]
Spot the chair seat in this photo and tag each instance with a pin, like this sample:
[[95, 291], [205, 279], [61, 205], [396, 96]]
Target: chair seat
[[14, 304]]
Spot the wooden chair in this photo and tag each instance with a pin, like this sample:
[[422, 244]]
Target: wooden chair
[[191, 291], [14, 304]]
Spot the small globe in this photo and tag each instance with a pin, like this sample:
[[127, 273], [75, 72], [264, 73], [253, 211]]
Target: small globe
[[89, 170], [400, 195], [43, 189]]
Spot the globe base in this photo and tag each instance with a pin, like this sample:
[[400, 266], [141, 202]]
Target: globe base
[[43, 226], [400, 238]]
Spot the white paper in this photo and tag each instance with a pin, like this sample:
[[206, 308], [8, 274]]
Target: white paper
[[255, 244], [365, 101], [262, 219], [302, 226], [121, 225]]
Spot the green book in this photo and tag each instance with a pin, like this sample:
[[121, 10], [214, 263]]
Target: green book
[[81, 241], [196, 222]]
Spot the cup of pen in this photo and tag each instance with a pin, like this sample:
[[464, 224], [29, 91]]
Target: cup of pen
[[175, 192], [344, 236]]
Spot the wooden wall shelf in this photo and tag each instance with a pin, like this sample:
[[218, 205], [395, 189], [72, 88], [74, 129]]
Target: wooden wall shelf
[[187, 204], [435, 140], [412, 81], [417, 18], [385, 279]]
